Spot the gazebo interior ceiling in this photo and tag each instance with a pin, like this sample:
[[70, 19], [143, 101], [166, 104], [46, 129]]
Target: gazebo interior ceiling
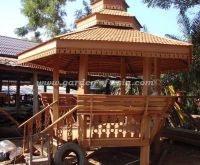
[[106, 64]]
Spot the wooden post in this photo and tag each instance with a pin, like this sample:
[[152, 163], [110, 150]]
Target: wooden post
[[8, 93], [56, 94], [145, 124], [35, 94], [82, 89], [83, 74], [18, 93], [146, 74], [45, 88], [1, 98], [1, 84], [157, 73], [67, 89], [123, 76]]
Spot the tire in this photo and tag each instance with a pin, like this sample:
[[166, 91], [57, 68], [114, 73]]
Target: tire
[[66, 149]]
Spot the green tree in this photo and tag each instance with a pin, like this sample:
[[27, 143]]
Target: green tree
[[43, 14], [80, 13], [196, 34], [166, 4]]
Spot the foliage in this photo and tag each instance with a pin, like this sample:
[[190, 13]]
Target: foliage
[[187, 83], [43, 14], [166, 4], [195, 28], [80, 13]]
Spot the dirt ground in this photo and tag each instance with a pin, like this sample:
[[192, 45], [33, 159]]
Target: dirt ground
[[172, 153]]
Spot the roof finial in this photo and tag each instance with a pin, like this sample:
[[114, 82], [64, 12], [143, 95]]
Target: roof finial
[[98, 5]]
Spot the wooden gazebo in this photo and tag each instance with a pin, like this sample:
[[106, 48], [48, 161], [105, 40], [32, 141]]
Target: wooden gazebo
[[109, 42]]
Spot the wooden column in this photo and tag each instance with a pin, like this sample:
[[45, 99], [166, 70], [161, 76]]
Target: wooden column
[[55, 94], [1, 98], [45, 88], [147, 68], [123, 76], [83, 74], [8, 93], [82, 89], [67, 88], [157, 73], [145, 123], [18, 93], [1, 84], [35, 94]]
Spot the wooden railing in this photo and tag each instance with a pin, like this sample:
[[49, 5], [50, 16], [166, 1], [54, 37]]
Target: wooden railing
[[42, 121], [37, 123], [58, 125], [66, 101], [116, 121]]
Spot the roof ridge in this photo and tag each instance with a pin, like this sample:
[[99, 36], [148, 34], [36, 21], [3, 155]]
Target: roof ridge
[[19, 39]]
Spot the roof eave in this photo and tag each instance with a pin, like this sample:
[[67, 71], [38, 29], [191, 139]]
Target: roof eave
[[35, 47]]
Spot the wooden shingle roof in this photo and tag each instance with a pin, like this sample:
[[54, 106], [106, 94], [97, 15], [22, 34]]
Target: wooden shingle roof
[[119, 35], [107, 35]]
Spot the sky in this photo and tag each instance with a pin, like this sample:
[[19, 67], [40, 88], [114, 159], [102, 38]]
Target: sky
[[157, 21]]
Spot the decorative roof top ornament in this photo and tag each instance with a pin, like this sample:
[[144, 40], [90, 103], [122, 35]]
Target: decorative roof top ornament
[[109, 13]]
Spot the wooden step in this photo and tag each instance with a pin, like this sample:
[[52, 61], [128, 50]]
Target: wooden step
[[37, 160]]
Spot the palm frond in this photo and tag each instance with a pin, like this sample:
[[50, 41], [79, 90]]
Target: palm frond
[[185, 25], [171, 36]]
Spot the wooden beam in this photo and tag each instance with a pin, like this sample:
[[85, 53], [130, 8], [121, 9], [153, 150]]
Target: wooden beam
[[18, 93], [83, 74], [55, 94], [35, 94], [123, 76], [182, 135]]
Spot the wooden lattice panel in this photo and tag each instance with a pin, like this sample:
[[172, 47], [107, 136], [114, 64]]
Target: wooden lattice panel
[[115, 126]]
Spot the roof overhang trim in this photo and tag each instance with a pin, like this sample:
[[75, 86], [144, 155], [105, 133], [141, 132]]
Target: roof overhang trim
[[107, 48]]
